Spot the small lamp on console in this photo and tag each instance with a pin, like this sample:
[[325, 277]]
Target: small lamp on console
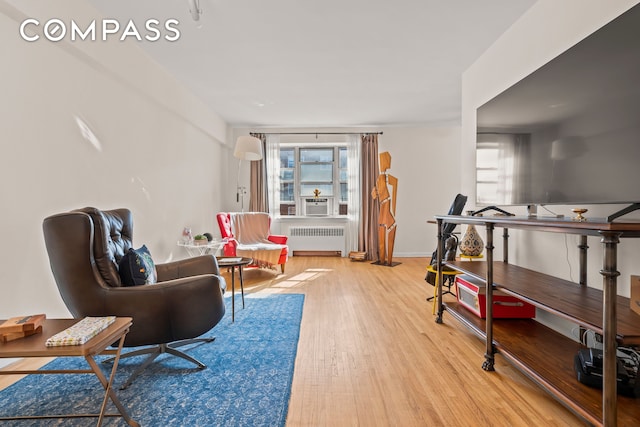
[[247, 148]]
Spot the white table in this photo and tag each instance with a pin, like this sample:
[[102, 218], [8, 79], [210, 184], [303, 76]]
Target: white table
[[197, 250]]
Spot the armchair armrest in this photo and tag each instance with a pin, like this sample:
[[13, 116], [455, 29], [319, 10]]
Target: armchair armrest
[[231, 241], [278, 239], [205, 264], [229, 246]]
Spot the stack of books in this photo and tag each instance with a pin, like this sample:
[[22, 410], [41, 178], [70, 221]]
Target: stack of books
[[21, 326], [80, 332]]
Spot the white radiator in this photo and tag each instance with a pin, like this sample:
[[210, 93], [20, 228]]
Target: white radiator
[[317, 238]]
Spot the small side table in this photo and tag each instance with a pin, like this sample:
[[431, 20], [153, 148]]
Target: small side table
[[35, 346], [197, 250], [233, 262]]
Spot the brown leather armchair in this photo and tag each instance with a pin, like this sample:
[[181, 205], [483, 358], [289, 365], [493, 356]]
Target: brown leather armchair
[[84, 248]]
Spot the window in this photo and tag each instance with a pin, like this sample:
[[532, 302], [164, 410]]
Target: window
[[306, 170], [316, 171], [343, 172], [487, 154], [496, 163], [287, 181]]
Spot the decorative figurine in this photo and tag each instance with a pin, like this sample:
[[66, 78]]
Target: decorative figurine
[[450, 247], [387, 218], [187, 237], [579, 217]]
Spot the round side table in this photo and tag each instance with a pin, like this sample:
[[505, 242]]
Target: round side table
[[232, 263]]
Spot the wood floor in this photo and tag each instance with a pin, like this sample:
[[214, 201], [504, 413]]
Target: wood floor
[[371, 354]]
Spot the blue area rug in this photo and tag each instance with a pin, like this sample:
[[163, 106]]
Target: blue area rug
[[247, 381]]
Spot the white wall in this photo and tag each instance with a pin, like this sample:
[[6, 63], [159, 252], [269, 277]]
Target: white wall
[[546, 30], [424, 159], [160, 150]]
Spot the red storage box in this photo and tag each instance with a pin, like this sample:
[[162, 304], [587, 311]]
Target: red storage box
[[471, 294]]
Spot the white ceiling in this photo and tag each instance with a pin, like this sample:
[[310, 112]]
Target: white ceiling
[[325, 63]]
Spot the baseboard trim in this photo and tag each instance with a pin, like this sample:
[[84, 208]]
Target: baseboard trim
[[318, 253]]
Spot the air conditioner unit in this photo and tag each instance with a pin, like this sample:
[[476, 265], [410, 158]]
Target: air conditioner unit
[[316, 206]]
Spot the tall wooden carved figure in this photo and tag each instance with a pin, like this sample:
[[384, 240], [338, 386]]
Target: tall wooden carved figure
[[385, 191]]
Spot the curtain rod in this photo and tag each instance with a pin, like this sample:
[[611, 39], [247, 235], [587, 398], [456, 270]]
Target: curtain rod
[[315, 133]]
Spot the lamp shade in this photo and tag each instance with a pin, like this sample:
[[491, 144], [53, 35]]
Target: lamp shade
[[248, 148], [558, 149]]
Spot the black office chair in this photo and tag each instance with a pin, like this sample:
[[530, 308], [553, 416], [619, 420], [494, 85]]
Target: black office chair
[[447, 233]]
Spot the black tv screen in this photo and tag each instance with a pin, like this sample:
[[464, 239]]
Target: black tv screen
[[568, 133]]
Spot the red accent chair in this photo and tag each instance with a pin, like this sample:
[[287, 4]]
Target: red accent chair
[[229, 247]]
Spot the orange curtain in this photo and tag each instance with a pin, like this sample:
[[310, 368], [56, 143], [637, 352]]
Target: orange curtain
[[368, 235]]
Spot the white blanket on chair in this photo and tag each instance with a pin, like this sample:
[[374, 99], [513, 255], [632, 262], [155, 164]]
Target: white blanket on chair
[[251, 230]]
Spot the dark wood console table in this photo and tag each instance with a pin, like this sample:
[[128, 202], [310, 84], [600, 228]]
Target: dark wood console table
[[541, 353]]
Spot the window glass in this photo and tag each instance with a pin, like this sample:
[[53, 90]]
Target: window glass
[[287, 209], [307, 190], [316, 155], [486, 192], [287, 192], [343, 178], [487, 175], [486, 156], [344, 195], [306, 168], [343, 158], [287, 159], [486, 172], [316, 172], [286, 174], [287, 179]]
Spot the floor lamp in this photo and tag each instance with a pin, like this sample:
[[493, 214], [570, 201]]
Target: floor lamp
[[247, 148]]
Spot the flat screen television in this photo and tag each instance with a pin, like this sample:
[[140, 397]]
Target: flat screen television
[[568, 133]]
